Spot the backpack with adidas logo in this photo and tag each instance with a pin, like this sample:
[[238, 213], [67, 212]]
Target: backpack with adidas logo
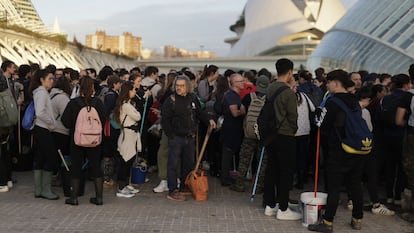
[[88, 128], [358, 138], [253, 113]]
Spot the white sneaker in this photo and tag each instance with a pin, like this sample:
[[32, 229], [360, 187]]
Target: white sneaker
[[350, 205], [4, 189], [269, 211], [288, 215], [162, 187], [10, 184], [132, 189], [381, 210], [125, 193]]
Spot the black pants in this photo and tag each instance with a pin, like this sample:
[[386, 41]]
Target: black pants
[[5, 164], [124, 171], [62, 143], [342, 167], [396, 179], [227, 157], [370, 173], [281, 165], [180, 149], [110, 144], [46, 155], [78, 155]]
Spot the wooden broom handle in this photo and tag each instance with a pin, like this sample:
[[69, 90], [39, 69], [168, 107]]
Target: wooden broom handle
[[203, 148]]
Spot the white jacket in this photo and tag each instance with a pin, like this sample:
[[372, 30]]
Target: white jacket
[[129, 141], [304, 109]]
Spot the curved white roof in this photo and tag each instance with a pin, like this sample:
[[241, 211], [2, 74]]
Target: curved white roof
[[267, 21]]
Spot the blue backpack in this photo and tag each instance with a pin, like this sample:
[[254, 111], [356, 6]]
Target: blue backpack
[[28, 121], [358, 138]]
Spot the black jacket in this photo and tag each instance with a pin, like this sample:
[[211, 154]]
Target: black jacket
[[180, 115]]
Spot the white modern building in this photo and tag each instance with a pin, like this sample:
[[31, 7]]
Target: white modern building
[[374, 35], [284, 27], [23, 14]]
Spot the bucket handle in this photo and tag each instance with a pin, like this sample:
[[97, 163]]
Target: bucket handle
[[143, 168]]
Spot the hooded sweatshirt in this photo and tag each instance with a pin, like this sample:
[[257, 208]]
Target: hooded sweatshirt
[[45, 116], [59, 100]]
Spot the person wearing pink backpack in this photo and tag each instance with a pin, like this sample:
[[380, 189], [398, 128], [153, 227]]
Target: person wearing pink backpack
[[83, 116]]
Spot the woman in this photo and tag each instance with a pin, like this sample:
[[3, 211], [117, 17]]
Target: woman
[[59, 96], [208, 83], [78, 153], [129, 142], [305, 107], [45, 157]]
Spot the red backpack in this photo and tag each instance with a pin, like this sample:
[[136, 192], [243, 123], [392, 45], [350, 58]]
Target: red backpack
[[88, 128]]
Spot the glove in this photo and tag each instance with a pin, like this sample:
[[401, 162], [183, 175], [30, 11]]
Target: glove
[[320, 113]]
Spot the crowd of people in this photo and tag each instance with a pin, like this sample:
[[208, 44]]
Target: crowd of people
[[162, 117]]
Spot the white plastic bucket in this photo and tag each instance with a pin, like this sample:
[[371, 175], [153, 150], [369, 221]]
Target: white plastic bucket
[[312, 207]]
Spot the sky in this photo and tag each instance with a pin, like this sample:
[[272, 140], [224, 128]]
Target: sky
[[190, 24]]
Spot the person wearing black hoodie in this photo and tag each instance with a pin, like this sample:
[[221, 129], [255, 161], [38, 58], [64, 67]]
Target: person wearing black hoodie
[[340, 165]]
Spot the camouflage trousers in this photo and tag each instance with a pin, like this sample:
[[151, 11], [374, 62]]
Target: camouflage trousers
[[250, 148], [408, 158]]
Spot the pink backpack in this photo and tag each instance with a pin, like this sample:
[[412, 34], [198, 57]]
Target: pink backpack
[[88, 128]]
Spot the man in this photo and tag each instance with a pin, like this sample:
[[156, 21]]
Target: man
[[8, 69], [232, 129], [180, 115], [150, 81], [282, 149], [340, 165], [356, 78], [250, 144]]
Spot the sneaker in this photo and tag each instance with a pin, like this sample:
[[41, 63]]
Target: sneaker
[[350, 205], [10, 184], [324, 226], [132, 189], [147, 180], [381, 210], [269, 211], [176, 196], [288, 214], [162, 187], [4, 189], [125, 193], [356, 224]]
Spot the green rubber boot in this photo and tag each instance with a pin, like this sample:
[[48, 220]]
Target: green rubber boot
[[37, 183], [47, 187]]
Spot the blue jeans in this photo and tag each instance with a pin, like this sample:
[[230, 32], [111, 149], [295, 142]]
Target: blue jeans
[[180, 149]]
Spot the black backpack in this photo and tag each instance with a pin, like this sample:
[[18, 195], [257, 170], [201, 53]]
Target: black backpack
[[266, 121]]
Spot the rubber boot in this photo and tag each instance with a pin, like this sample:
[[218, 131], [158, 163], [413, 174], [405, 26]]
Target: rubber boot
[[47, 186], [98, 190], [73, 200], [37, 183]]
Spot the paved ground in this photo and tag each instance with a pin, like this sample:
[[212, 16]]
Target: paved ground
[[225, 211]]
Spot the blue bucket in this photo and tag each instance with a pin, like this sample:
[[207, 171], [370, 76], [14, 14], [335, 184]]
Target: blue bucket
[[138, 174]]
